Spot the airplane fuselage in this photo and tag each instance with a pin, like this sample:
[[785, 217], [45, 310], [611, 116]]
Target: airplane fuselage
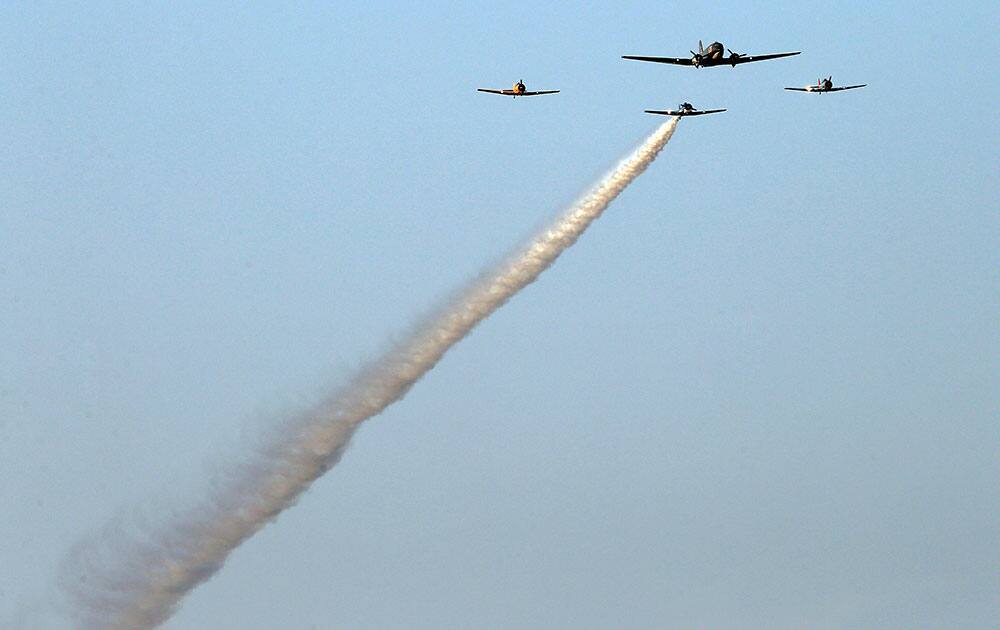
[[713, 55]]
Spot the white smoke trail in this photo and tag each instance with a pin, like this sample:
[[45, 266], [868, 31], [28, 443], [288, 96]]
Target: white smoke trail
[[148, 578]]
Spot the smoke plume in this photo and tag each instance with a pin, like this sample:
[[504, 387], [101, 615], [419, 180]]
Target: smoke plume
[[136, 580]]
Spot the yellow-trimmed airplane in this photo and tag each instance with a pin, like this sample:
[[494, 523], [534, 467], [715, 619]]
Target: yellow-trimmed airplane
[[825, 85], [714, 55], [517, 90], [684, 109]]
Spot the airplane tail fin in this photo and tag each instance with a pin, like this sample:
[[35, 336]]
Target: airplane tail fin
[[701, 49]]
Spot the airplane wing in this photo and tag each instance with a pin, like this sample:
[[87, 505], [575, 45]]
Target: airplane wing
[[674, 60], [539, 93], [500, 92], [847, 87], [799, 89], [749, 58]]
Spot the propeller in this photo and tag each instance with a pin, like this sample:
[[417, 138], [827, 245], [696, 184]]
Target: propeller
[[696, 56]]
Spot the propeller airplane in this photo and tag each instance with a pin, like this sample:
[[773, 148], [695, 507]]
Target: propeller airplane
[[714, 55], [824, 85], [517, 90]]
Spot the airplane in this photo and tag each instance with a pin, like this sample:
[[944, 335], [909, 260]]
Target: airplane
[[684, 109], [825, 85], [518, 90], [711, 56]]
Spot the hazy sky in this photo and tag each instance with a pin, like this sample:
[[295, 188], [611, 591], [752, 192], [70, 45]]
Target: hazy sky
[[762, 391]]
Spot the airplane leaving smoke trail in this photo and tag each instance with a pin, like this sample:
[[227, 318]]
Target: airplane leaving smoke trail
[[138, 583]]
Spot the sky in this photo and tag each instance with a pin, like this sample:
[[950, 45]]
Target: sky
[[761, 390]]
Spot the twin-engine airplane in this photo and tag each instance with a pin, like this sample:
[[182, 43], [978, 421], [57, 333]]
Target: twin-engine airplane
[[517, 90], [684, 109], [825, 85], [714, 55]]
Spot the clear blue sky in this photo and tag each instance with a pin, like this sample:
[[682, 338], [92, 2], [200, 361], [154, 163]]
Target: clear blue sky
[[762, 391]]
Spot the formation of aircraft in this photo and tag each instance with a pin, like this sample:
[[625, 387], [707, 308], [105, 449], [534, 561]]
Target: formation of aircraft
[[684, 109], [714, 55], [825, 85], [517, 90]]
